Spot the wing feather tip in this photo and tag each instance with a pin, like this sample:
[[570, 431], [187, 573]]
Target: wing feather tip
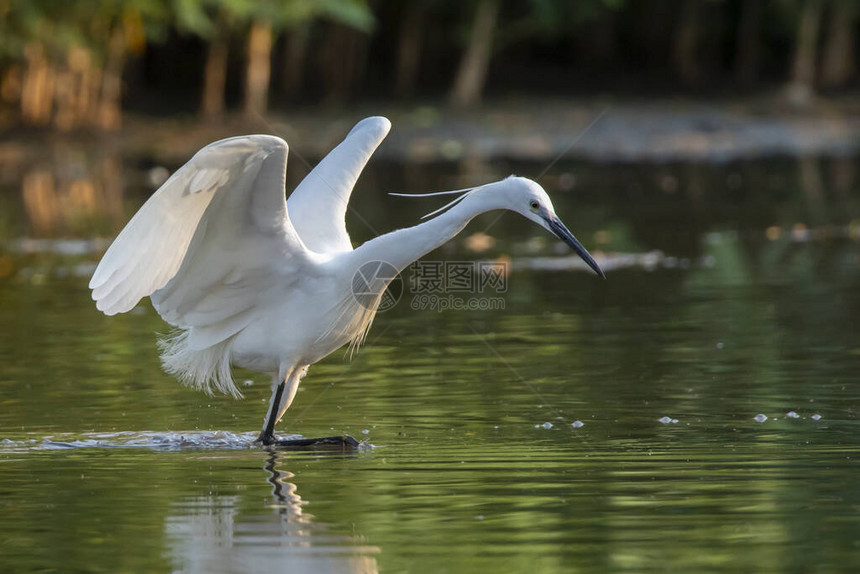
[[261, 141], [100, 275], [109, 311], [111, 308], [379, 125]]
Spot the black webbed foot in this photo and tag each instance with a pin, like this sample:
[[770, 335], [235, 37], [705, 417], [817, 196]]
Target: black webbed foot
[[344, 442], [265, 439]]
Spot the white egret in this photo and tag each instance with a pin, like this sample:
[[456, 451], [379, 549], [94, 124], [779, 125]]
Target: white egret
[[256, 281]]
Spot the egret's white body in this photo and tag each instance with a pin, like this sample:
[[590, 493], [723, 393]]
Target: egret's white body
[[255, 281]]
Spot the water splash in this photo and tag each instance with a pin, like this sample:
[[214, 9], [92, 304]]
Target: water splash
[[152, 440], [171, 440]]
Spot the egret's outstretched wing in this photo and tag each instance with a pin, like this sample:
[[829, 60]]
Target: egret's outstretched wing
[[209, 243], [318, 205]]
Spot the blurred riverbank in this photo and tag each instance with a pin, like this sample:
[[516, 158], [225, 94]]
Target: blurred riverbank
[[523, 129]]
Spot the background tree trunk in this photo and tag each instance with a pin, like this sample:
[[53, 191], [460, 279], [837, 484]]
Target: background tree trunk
[[64, 117], [597, 41], [259, 68], [803, 68], [109, 114], [295, 54], [748, 45], [37, 91], [10, 85], [472, 72], [73, 90], [342, 60], [653, 38], [838, 65], [409, 49], [686, 45], [215, 72], [81, 62]]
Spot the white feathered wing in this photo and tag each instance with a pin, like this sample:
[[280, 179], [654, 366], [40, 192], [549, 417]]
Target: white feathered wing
[[218, 238], [318, 204], [214, 240]]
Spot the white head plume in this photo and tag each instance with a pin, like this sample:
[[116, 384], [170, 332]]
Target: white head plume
[[463, 193]]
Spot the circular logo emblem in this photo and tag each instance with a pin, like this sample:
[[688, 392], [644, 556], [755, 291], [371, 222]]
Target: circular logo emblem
[[374, 278]]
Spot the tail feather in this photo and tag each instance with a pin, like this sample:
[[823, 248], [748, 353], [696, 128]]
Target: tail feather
[[206, 369]]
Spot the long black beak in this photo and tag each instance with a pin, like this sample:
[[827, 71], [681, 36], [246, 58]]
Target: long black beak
[[565, 235]]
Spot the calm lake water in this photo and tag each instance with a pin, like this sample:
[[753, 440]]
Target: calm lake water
[[586, 426]]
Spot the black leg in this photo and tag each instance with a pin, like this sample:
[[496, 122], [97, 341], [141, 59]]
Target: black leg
[[267, 436]]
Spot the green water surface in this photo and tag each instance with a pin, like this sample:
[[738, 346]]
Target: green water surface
[[97, 473]]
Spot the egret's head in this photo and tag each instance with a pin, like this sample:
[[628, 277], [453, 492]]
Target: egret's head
[[518, 194], [530, 200]]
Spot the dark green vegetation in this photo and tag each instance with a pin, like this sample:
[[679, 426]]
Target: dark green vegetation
[[757, 314], [79, 64]]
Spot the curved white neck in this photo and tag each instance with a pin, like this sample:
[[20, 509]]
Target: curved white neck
[[403, 246]]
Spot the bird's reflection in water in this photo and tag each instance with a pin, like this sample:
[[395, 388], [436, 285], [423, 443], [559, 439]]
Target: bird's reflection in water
[[219, 533]]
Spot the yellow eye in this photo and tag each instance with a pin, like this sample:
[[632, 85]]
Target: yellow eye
[[534, 205]]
